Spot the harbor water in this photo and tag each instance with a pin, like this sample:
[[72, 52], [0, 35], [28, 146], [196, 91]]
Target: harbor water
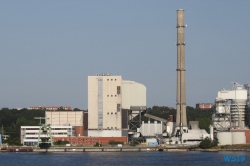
[[122, 158]]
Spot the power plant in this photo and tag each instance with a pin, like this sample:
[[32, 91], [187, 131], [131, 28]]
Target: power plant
[[116, 107]]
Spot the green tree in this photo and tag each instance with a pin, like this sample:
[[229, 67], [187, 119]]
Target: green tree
[[208, 143]]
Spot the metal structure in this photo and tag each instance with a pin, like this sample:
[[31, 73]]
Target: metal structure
[[45, 135], [156, 118], [135, 114], [181, 118], [231, 108], [221, 119]]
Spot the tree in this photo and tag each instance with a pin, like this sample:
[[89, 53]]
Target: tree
[[208, 143]]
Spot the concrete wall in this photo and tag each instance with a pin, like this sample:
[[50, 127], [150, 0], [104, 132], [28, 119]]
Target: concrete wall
[[247, 134], [133, 94], [104, 109], [151, 129], [104, 133], [61, 118], [90, 140]]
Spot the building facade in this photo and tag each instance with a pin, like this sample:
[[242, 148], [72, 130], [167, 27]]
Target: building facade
[[109, 101], [204, 106], [90, 141], [30, 134], [61, 118], [50, 108]]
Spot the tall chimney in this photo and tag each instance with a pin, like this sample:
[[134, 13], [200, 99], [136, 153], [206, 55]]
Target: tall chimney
[[181, 118]]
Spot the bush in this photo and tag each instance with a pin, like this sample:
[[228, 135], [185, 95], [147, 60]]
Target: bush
[[134, 143], [176, 142], [97, 144], [59, 142], [208, 143], [113, 142], [170, 141]]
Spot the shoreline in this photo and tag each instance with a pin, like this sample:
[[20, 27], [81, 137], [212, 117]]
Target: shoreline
[[114, 149]]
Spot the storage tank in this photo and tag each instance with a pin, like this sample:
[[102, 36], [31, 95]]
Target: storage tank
[[238, 137], [225, 138]]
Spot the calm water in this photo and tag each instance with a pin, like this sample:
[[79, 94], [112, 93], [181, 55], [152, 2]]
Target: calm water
[[120, 158]]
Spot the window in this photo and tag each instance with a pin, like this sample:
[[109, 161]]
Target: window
[[118, 90], [118, 107], [107, 79]]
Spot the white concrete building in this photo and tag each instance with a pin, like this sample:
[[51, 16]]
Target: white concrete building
[[61, 118], [109, 99], [151, 129], [29, 134]]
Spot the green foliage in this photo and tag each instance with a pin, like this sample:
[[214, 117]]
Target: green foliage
[[134, 143], [61, 109], [12, 141], [97, 144], [208, 143], [170, 142], [158, 111], [12, 119], [176, 142], [59, 142], [113, 142]]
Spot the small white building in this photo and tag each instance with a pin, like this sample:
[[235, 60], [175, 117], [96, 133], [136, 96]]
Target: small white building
[[29, 134]]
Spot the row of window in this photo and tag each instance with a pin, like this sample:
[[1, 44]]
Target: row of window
[[111, 95], [110, 79], [69, 129], [111, 113], [82, 139]]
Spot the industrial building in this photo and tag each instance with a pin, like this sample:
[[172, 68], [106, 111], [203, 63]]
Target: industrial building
[[111, 103], [204, 106], [30, 134], [230, 117], [50, 108]]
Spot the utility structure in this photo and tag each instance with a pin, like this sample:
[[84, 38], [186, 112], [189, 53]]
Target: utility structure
[[44, 135], [181, 118], [231, 106]]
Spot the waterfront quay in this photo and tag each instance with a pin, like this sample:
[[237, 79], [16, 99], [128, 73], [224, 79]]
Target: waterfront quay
[[97, 149]]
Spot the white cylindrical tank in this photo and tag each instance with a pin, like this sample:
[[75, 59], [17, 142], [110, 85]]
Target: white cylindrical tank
[[238, 137], [211, 132], [225, 138]]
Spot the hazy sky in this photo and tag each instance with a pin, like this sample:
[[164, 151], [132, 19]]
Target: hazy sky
[[48, 48]]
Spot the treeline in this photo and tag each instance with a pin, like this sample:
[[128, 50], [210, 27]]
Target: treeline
[[12, 119]]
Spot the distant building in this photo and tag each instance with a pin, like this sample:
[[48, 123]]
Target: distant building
[[50, 108], [204, 105]]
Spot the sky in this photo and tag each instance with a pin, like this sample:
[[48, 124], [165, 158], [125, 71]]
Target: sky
[[49, 48]]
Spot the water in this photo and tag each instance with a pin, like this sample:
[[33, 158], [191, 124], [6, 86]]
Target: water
[[120, 158]]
